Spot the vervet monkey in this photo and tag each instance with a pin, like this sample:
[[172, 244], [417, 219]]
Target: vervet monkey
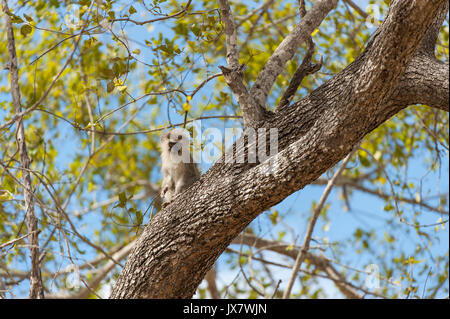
[[178, 169]]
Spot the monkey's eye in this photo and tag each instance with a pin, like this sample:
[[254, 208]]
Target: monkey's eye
[[180, 137]]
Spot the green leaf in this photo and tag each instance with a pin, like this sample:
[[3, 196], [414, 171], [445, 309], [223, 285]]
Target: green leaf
[[122, 197], [110, 86], [14, 18], [25, 30], [28, 18], [132, 10]]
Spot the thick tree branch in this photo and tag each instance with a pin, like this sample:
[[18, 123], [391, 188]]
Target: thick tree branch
[[182, 242], [429, 41], [425, 81]]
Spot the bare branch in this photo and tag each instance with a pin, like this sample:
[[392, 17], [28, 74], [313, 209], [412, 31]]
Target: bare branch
[[21, 114], [320, 262], [262, 7], [231, 37], [304, 68], [36, 286], [17, 239], [358, 186], [178, 14], [103, 271], [287, 48], [360, 11], [301, 256], [233, 74], [210, 279]]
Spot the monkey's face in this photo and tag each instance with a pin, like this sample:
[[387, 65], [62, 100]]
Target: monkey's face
[[175, 141]]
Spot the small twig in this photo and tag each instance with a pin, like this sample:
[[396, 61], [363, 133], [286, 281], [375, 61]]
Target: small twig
[[433, 135], [286, 49], [245, 18], [276, 289], [204, 82], [304, 68], [357, 9], [162, 128], [18, 239], [50, 87], [175, 15], [302, 254]]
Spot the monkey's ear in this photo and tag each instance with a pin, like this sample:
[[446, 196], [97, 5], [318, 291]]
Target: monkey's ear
[[163, 136]]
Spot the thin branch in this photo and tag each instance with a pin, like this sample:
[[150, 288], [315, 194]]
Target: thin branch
[[304, 68], [353, 183], [233, 74], [287, 48], [231, 37], [36, 286], [301, 256], [17, 239], [103, 271], [180, 13], [61, 41], [275, 23], [49, 88], [355, 7], [158, 129], [262, 7], [433, 135], [210, 279], [320, 262]]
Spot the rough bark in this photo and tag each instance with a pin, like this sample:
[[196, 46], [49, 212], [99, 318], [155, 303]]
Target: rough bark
[[182, 242]]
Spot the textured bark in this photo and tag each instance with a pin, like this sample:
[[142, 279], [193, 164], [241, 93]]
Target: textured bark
[[182, 242]]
